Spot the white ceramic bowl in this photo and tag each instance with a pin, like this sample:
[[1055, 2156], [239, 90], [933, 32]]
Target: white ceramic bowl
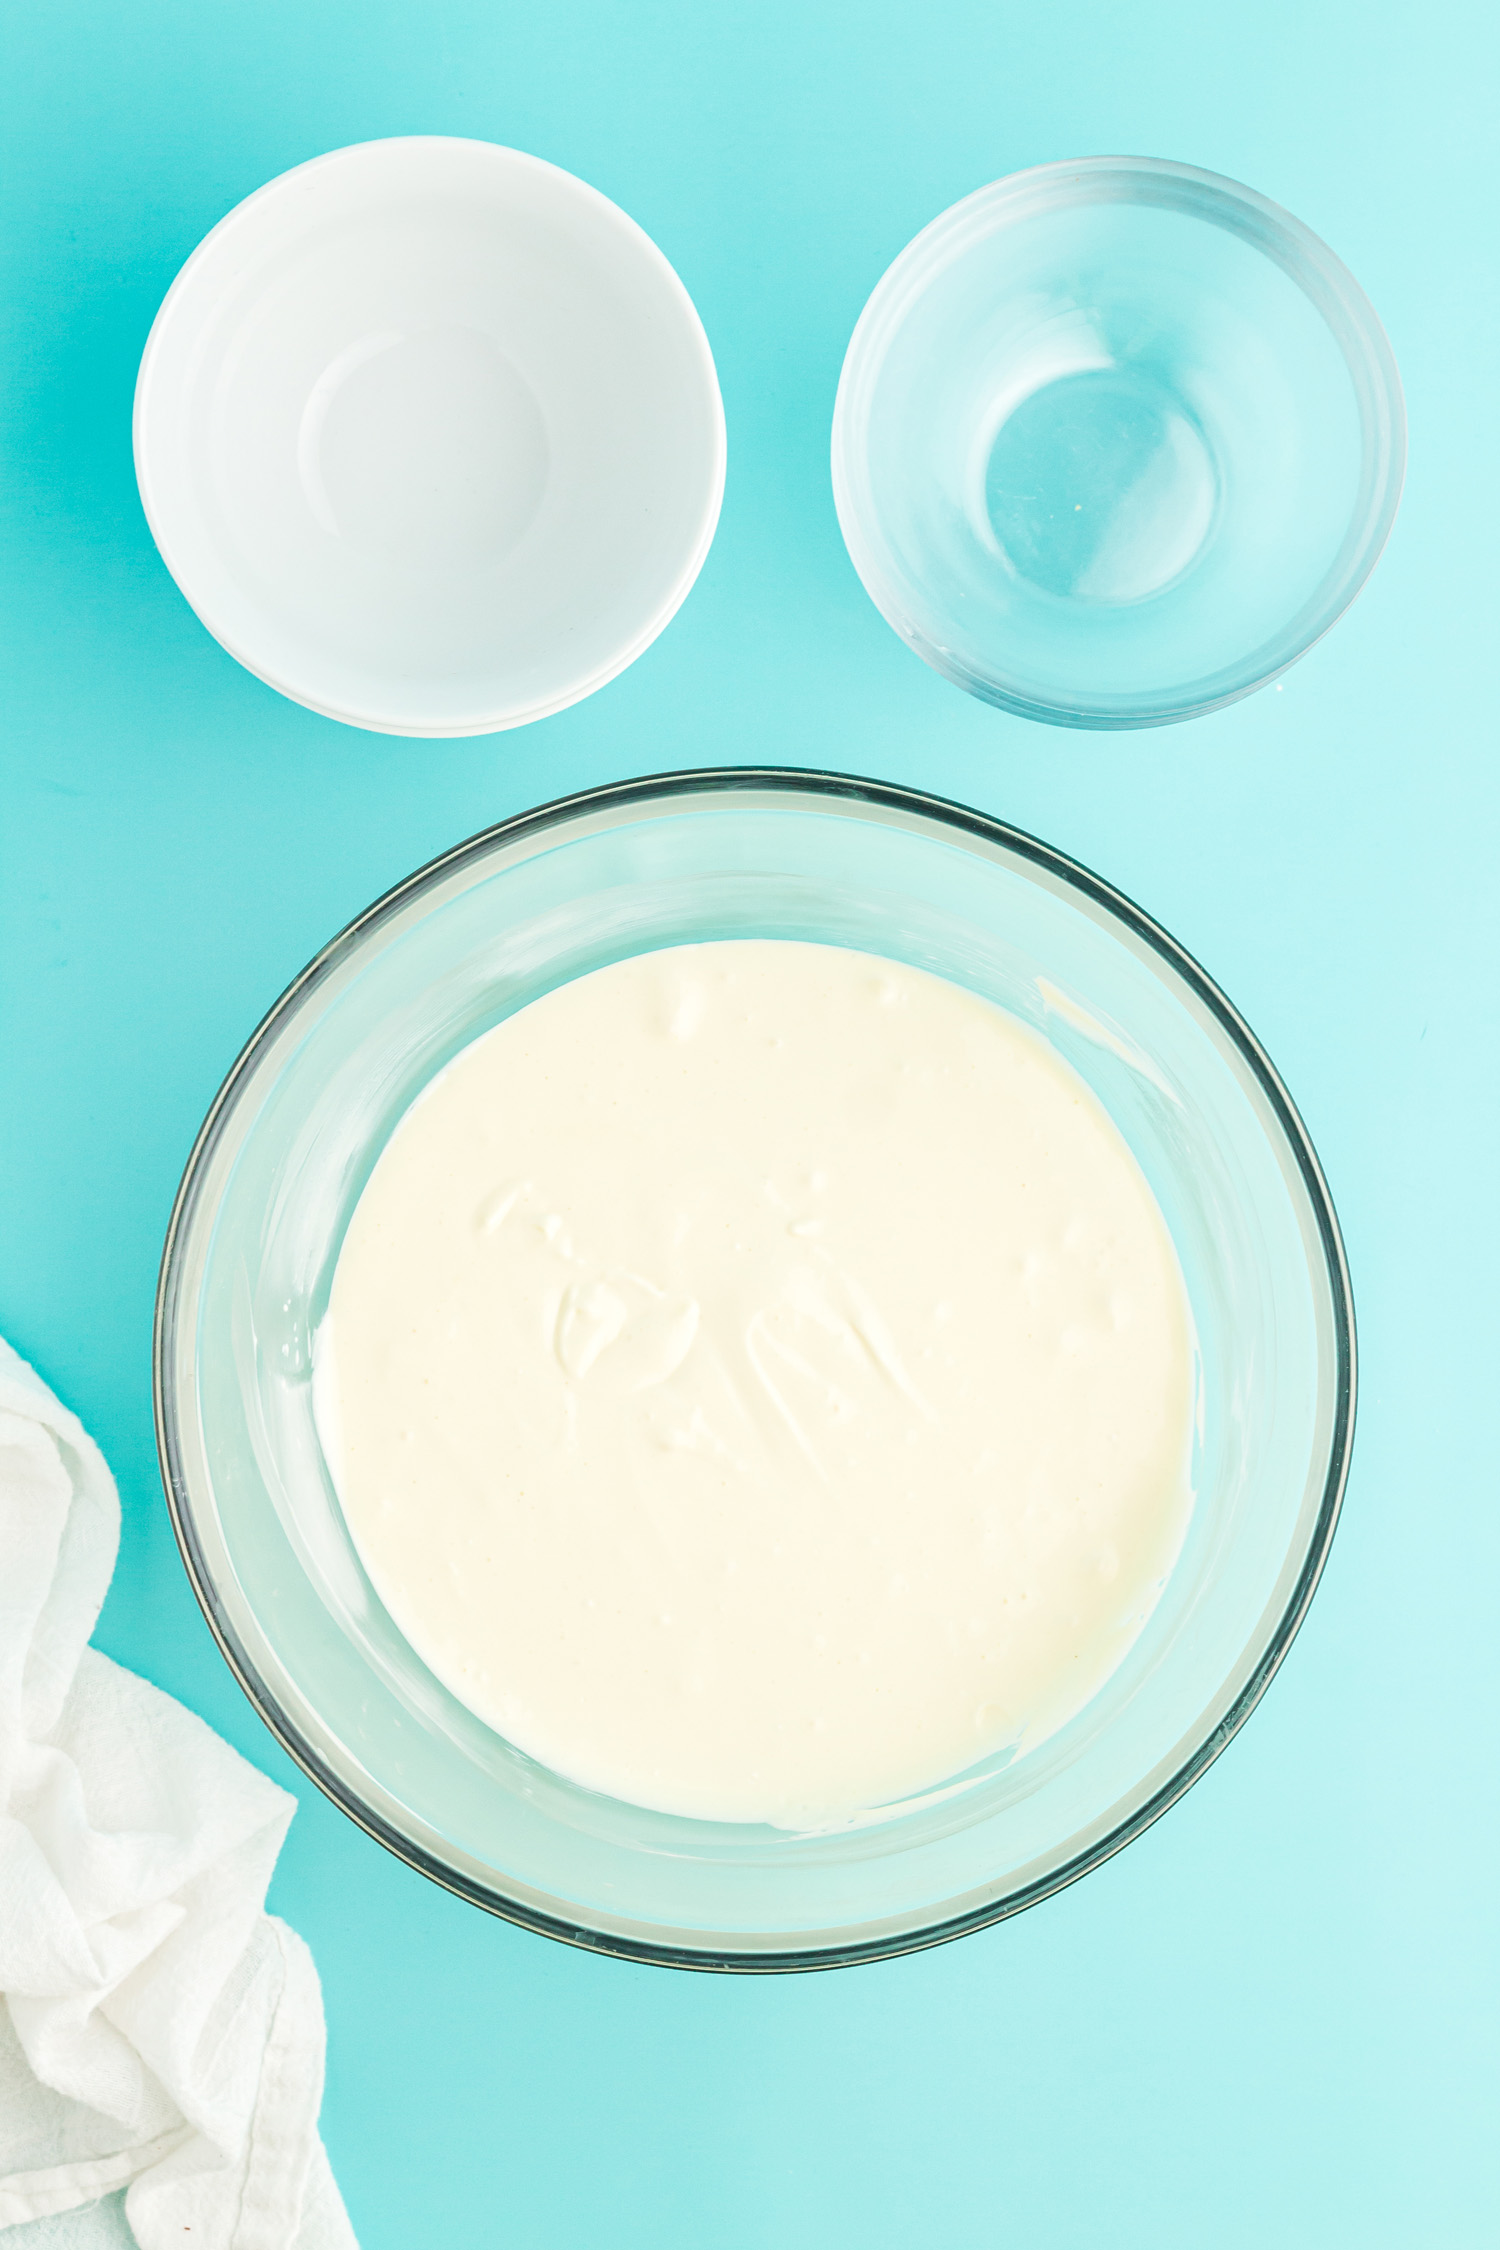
[[428, 433]]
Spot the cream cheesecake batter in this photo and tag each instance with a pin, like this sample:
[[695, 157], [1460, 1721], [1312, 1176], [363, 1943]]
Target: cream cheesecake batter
[[758, 1380]]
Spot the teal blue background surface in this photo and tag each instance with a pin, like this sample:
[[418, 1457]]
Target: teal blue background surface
[[1272, 2019]]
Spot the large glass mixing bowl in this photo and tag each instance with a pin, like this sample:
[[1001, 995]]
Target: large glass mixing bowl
[[291, 1140]]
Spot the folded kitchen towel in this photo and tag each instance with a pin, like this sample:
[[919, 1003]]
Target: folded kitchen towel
[[161, 2034]]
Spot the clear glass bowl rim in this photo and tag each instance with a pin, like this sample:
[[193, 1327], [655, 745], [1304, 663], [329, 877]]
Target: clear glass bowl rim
[[626, 798], [1277, 232]]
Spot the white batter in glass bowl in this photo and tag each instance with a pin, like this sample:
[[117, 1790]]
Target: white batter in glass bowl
[[268, 1203]]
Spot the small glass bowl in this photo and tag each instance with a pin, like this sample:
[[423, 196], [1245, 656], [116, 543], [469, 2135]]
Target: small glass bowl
[[292, 1139], [1116, 441]]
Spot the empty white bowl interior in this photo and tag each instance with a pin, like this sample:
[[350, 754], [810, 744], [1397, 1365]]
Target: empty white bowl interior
[[429, 434]]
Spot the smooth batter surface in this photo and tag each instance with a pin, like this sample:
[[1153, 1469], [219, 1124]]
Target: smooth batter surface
[[758, 1381]]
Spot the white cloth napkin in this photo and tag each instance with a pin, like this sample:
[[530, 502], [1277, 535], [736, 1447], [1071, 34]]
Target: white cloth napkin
[[161, 2033]]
